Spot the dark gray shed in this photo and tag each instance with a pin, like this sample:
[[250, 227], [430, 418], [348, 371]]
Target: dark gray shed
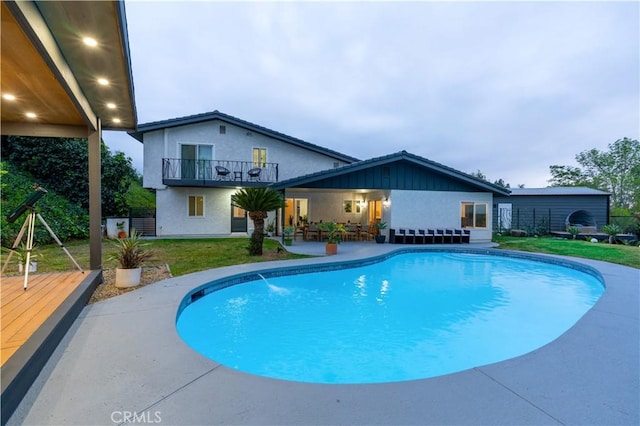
[[551, 209]]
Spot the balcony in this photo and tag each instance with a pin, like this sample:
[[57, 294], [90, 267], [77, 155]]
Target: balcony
[[217, 173]]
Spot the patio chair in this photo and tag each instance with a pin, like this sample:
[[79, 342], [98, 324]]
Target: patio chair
[[400, 236], [364, 234], [313, 232], [254, 174], [410, 238], [300, 230], [438, 236], [466, 236], [429, 236], [421, 236], [448, 236], [457, 236], [222, 173], [352, 232]]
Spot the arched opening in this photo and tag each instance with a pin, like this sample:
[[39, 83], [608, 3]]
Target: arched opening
[[582, 219]]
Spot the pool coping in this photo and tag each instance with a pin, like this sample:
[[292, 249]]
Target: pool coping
[[122, 357]]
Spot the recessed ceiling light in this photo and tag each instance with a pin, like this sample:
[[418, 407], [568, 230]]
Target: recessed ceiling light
[[31, 114], [116, 120], [90, 41], [103, 81], [9, 97], [111, 105]]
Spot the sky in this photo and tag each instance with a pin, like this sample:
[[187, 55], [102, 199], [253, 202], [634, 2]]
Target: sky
[[505, 88]]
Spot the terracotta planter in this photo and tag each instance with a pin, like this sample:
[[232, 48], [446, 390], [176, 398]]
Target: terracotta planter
[[128, 277], [331, 248]]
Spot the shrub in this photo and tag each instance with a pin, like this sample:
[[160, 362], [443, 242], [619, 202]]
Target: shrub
[[611, 230], [68, 221], [574, 231]]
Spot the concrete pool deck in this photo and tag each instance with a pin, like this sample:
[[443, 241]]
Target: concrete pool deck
[[122, 361]]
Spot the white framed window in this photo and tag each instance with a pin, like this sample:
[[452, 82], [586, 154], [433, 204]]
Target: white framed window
[[260, 157], [195, 206], [473, 215]]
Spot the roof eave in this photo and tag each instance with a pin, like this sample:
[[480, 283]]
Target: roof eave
[[217, 115]]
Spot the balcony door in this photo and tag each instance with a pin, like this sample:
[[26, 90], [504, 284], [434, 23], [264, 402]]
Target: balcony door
[[196, 161]]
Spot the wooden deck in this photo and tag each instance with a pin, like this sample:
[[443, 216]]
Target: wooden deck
[[23, 312]]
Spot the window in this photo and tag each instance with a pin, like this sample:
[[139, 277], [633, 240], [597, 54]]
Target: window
[[223, 130], [473, 215], [260, 157], [196, 206]]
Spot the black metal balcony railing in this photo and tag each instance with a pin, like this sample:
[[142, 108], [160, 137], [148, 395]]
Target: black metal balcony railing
[[217, 172]]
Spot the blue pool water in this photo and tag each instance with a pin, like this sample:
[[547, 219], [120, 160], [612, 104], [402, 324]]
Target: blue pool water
[[412, 316]]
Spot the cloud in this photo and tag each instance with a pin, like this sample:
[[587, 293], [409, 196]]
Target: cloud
[[508, 88]]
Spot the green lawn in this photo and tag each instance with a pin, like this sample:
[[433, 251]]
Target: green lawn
[[191, 255], [628, 255], [182, 255]]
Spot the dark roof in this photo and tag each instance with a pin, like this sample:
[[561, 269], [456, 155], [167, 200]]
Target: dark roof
[[217, 115], [387, 159], [558, 190]]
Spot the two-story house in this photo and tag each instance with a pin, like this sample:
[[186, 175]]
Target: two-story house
[[196, 163]]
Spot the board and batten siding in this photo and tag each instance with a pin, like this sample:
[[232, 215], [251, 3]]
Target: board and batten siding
[[553, 209], [397, 175]]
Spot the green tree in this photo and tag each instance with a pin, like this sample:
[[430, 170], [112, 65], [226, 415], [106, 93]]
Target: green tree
[[61, 165], [117, 176], [258, 202], [499, 182], [568, 176], [67, 220], [479, 175], [616, 171]]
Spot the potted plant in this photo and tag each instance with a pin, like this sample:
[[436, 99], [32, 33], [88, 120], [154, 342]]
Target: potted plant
[[288, 235], [21, 254], [130, 254], [333, 233], [121, 231], [379, 237], [271, 227]]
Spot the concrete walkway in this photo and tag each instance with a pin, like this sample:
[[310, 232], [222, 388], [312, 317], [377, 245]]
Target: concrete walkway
[[122, 362]]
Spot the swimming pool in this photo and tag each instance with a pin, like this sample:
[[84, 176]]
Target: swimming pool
[[402, 317]]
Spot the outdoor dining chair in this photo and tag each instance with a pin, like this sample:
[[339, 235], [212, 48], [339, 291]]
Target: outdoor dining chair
[[254, 174], [222, 172]]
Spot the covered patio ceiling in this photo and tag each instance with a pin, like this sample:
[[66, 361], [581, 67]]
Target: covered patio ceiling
[[65, 72], [64, 65]]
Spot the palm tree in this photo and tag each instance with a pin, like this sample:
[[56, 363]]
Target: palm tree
[[257, 201], [611, 230]]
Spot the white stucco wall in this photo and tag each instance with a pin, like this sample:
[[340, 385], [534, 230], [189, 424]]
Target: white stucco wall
[[436, 209], [172, 214], [236, 144], [153, 153]]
